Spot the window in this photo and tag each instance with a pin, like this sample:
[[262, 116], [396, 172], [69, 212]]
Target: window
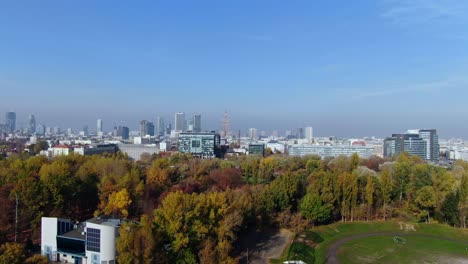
[[93, 240], [95, 259], [196, 143]]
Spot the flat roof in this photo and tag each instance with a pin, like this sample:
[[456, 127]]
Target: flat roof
[[77, 234]]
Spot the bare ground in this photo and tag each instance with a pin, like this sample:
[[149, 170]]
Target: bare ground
[[263, 245]]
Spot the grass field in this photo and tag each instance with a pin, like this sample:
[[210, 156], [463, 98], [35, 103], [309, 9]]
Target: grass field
[[324, 236], [383, 249]]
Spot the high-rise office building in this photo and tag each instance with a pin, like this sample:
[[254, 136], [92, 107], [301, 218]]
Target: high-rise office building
[[432, 147], [32, 124], [189, 125], [197, 123], [225, 131], [160, 127], [40, 129], [10, 121], [300, 133], [146, 128], [179, 121], [123, 131], [309, 134], [168, 129], [204, 145], [253, 133], [421, 142], [85, 131], [99, 126]]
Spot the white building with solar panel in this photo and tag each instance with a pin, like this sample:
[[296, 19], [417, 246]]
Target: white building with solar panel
[[89, 242]]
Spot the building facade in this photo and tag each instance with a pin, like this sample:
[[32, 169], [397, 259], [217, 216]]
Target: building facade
[[325, 151], [89, 242], [423, 143], [146, 128], [32, 124], [99, 126], [309, 134], [179, 121], [203, 145], [10, 121], [197, 127]]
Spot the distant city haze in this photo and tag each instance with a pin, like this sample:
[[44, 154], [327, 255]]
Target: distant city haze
[[348, 69]]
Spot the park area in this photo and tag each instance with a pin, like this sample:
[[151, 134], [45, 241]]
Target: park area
[[378, 242]]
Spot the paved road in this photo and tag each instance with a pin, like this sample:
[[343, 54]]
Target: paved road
[[332, 250]]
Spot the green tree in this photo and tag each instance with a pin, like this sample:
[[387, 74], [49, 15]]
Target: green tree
[[463, 199], [312, 208], [370, 190], [387, 189], [426, 199]]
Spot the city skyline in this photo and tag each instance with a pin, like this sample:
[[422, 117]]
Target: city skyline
[[371, 67], [23, 122]]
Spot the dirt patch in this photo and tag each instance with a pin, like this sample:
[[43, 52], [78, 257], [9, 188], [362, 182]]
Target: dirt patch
[[263, 245]]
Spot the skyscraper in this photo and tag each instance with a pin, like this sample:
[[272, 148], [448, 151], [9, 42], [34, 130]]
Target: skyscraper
[[432, 146], [85, 131], [309, 134], [225, 131], [41, 129], [146, 128], [123, 132], [197, 123], [179, 121], [10, 121], [32, 124], [300, 133], [99, 126], [419, 142], [160, 127], [253, 133]]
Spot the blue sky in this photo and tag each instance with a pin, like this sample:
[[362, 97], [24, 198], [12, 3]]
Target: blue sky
[[348, 68]]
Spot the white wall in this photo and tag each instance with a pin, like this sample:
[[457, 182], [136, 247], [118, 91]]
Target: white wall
[[108, 242], [48, 233]]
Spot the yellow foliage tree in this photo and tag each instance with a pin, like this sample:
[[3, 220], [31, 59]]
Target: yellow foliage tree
[[118, 203]]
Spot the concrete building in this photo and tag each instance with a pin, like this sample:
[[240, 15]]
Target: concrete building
[[432, 146], [309, 134], [160, 126], [10, 121], [203, 145], [123, 132], [31, 124], [179, 121], [92, 241], [300, 133], [134, 151], [146, 128], [99, 128], [257, 149], [276, 146], [419, 142], [325, 151], [253, 133], [197, 127]]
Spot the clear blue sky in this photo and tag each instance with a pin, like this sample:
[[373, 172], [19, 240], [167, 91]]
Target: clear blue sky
[[348, 68]]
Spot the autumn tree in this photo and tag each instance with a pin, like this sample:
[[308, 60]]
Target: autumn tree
[[313, 209], [118, 204], [426, 199]]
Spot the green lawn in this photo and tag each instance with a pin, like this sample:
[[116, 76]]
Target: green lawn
[[324, 236], [383, 250]]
